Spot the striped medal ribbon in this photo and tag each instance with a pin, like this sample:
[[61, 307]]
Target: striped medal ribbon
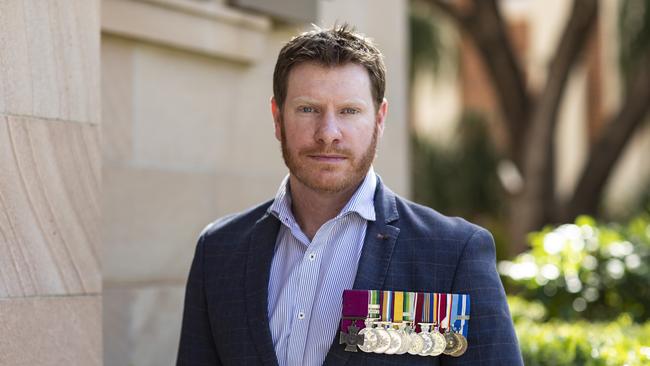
[[425, 325], [374, 308], [382, 331], [373, 315], [408, 313], [460, 311], [415, 314], [460, 325], [438, 342], [397, 325], [453, 344], [395, 314]]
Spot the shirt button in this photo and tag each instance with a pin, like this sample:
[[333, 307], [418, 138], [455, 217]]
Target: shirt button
[[312, 256], [301, 315]]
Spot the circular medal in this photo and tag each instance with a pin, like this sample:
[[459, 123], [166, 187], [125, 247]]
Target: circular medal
[[427, 343], [462, 341], [395, 342], [439, 343], [383, 340], [452, 343], [406, 340], [369, 339], [417, 343]]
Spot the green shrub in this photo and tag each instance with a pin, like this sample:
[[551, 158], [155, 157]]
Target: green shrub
[[559, 343], [586, 270]]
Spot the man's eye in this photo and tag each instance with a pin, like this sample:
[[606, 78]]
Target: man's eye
[[307, 109], [349, 111]]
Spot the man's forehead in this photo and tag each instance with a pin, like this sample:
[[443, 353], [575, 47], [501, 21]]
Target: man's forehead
[[314, 65], [307, 99], [310, 80]]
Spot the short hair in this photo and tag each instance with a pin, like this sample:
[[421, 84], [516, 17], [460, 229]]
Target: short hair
[[332, 47]]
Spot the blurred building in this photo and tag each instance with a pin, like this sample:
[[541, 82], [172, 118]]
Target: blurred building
[[188, 137], [593, 92]]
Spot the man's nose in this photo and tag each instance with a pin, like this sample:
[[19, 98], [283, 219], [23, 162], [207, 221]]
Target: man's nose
[[328, 131]]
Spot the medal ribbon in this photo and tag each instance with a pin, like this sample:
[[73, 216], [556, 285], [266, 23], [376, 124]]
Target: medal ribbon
[[454, 312], [419, 311], [448, 308], [410, 299], [387, 308], [436, 316], [373, 304], [442, 311], [463, 311], [398, 307], [426, 308]]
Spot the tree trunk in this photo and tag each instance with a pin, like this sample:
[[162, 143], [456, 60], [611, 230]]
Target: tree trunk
[[609, 147], [537, 201], [532, 122]]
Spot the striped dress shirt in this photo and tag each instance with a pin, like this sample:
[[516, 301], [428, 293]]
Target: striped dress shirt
[[308, 277]]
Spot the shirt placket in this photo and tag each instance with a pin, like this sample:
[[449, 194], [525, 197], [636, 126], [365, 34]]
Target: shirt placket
[[306, 294]]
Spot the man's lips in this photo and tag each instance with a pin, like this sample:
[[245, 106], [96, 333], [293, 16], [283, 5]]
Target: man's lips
[[327, 158]]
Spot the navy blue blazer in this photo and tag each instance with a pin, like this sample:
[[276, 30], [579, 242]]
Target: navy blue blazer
[[409, 248]]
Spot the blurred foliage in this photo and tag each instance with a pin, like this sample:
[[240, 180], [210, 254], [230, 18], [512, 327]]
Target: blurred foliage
[[426, 46], [586, 270], [584, 294], [634, 32], [559, 343], [462, 180]]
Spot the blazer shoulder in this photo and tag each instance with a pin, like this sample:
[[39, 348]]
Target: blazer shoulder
[[235, 224], [423, 221]]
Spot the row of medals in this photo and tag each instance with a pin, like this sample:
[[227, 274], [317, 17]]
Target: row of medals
[[400, 338]]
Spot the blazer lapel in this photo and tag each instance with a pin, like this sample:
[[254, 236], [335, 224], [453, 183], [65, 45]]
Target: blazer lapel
[[258, 268], [375, 257]]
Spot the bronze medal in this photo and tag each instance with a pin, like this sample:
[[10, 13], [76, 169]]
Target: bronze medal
[[462, 341], [453, 345]]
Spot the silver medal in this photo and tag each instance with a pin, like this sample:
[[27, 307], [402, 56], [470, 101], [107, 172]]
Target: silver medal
[[383, 339], [426, 338], [369, 339], [439, 343], [404, 332], [395, 341], [417, 343]]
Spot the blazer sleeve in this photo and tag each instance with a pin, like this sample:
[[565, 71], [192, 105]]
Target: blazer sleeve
[[491, 334], [197, 345]]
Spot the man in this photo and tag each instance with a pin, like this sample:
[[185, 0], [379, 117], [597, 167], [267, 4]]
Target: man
[[265, 287]]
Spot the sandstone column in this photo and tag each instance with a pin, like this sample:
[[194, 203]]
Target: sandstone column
[[50, 177]]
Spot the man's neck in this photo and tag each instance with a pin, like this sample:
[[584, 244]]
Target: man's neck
[[312, 208]]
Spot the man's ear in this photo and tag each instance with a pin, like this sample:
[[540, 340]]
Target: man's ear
[[277, 118], [382, 112]]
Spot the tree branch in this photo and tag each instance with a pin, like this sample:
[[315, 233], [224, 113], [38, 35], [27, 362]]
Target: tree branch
[[448, 9], [571, 45], [609, 147], [486, 28], [539, 165]]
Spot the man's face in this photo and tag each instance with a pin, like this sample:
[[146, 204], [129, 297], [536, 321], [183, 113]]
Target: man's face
[[328, 126]]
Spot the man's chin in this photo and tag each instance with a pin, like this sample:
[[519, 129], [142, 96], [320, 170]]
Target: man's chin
[[327, 183]]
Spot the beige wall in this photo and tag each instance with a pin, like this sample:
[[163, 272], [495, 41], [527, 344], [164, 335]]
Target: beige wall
[[188, 137], [50, 279]]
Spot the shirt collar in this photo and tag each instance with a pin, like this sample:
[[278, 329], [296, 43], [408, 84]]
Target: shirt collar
[[361, 202]]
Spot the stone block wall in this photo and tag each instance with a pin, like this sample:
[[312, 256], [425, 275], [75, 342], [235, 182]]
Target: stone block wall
[[50, 180]]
